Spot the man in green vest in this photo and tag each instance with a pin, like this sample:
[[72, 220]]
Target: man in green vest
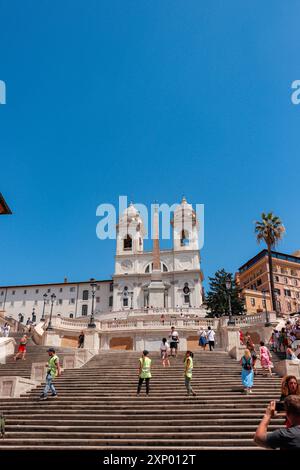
[[188, 372], [144, 372], [53, 369]]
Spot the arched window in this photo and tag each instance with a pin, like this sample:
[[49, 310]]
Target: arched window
[[127, 243], [85, 295], [125, 297], [184, 239], [163, 267], [186, 293]]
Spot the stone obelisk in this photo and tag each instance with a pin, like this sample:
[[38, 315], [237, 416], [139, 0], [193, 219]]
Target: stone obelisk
[[156, 286]]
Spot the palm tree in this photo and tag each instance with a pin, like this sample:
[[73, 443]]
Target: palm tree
[[270, 230]]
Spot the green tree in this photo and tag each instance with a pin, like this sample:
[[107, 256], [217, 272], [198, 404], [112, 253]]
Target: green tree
[[270, 230], [217, 299]]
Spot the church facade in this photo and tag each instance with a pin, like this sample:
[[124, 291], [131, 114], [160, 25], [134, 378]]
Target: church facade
[[143, 281]]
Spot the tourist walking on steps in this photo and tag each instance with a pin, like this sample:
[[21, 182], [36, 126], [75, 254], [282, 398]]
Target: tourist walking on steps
[[144, 372], [265, 358], [164, 352], [188, 372], [81, 340], [174, 341], [202, 339], [247, 371], [5, 330], [22, 348], [53, 370], [211, 338], [251, 347]]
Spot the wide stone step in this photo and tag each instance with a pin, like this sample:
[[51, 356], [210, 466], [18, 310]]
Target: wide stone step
[[174, 441]]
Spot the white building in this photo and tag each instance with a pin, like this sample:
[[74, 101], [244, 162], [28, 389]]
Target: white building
[[143, 280]]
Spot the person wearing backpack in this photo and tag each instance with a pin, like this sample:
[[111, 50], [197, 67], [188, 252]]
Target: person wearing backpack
[[144, 372], [247, 371]]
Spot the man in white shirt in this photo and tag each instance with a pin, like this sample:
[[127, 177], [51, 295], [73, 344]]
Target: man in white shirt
[[174, 341], [211, 338]]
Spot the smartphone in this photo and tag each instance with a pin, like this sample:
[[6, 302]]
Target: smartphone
[[279, 406]]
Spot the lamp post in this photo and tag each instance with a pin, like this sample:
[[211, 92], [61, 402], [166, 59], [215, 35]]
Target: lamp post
[[45, 300], [93, 286], [49, 327], [266, 309], [231, 320]]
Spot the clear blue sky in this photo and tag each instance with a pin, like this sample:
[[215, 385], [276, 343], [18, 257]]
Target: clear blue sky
[[152, 99]]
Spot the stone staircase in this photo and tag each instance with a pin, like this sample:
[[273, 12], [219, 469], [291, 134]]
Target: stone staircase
[[35, 353], [97, 407]]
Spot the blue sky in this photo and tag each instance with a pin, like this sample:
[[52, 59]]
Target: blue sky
[[150, 99]]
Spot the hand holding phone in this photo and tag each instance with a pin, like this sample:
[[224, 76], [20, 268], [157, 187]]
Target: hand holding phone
[[279, 406]]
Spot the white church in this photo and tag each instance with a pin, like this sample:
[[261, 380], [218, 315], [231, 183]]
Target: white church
[[155, 281]]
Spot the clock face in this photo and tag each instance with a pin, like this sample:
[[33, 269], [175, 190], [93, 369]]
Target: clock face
[[126, 265]]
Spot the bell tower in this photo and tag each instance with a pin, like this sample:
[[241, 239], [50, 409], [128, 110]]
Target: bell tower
[[130, 232]]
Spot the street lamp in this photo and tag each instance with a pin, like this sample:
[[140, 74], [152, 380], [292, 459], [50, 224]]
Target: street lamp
[[49, 327], [231, 320], [93, 285], [265, 306], [45, 300]]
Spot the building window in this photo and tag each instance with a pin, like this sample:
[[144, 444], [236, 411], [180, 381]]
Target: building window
[[289, 307], [125, 302], [286, 280], [186, 293], [49, 290], [295, 282], [72, 289], [110, 301], [252, 301], [84, 310], [71, 301], [60, 301], [277, 291], [127, 243], [61, 289], [13, 292], [85, 295], [184, 238], [111, 287], [25, 291], [98, 300], [277, 278], [71, 315], [2, 292], [36, 291], [287, 293]]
